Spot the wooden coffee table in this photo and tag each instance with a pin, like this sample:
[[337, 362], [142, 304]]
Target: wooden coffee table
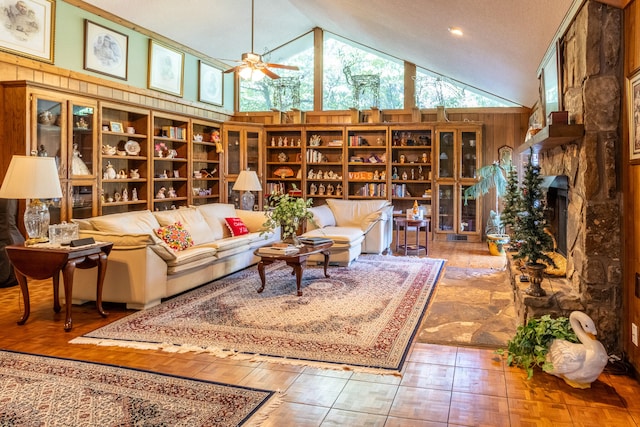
[[298, 261]]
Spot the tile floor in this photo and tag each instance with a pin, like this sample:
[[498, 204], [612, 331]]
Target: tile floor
[[440, 385]]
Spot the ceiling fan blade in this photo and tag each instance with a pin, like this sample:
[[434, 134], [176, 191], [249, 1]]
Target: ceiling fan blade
[[234, 69], [269, 73], [286, 67]]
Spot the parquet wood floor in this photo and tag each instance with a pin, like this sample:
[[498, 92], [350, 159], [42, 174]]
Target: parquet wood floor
[[440, 386]]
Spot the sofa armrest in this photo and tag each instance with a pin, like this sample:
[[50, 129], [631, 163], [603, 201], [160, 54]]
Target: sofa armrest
[[131, 241], [383, 214]]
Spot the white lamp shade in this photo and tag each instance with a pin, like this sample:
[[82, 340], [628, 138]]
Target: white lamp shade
[[247, 181], [31, 177]]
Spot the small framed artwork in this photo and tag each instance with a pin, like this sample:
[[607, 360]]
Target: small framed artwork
[[166, 67], [550, 82], [115, 126], [633, 94], [210, 84], [27, 28], [105, 50]]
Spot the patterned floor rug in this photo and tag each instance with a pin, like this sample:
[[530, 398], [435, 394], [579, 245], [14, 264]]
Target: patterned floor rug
[[48, 391], [363, 317]]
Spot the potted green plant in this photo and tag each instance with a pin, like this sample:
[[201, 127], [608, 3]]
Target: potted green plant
[[492, 176], [533, 240], [512, 202], [288, 212], [529, 346]]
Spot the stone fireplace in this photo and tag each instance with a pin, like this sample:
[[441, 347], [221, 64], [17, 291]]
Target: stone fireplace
[[592, 87]]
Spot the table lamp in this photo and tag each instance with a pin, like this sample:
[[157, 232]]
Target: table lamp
[[247, 181], [34, 178]]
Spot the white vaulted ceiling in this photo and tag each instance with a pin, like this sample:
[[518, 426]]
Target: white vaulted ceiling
[[503, 44]]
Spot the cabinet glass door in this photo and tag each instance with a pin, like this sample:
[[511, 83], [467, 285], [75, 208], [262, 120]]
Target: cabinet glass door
[[468, 213], [446, 212], [253, 147], [50, 117], [233, 152], [445, 156], [83, 154], [83, 201], [469, 155]]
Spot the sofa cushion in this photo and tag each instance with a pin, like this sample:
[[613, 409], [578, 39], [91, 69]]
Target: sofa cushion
[[236, 226], [191, 255], [126, 222], [350, 235], [351, 213], [175, 236], [254, 220], [323, 216], [230, 243], [214, 214], [192, 221]]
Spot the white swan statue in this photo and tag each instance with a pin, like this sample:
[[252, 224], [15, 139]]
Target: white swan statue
[[578, 364]]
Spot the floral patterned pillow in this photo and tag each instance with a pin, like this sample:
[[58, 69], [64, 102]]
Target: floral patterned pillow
[[175, 236]]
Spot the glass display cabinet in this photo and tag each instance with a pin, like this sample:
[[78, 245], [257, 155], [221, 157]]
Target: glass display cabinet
[[457, 159]]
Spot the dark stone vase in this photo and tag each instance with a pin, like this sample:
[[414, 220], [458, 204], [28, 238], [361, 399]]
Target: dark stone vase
[[536, 273]]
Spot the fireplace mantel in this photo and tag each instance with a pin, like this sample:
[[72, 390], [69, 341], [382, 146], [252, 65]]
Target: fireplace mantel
[[552, 136]]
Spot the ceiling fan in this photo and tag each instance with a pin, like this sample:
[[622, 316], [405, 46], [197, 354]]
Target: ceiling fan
[[252, 66]]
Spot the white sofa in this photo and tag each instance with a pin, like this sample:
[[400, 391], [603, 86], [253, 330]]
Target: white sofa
[[355, 226], [142, 269]]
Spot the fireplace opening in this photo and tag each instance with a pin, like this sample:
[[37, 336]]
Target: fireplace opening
[[557, 202]]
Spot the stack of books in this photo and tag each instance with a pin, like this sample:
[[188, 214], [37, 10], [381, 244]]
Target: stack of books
[[279, 250], [314, 240]]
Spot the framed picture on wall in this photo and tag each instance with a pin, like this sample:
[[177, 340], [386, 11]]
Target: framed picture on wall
[[210, 84], [27, 28], [550, 82], [166, 68], [105, 50], [633, 95]]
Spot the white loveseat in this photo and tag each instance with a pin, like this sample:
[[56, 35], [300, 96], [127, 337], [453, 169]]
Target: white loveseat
[[142, 269], [355, 226]]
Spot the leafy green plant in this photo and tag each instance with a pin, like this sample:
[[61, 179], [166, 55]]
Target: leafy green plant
[[289, 212], [529, 346], [491, 176], [512, 201]]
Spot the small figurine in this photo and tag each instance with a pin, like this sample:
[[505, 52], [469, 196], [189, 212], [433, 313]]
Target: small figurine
[[402, 158], [280, 142], [134, 174], [424, 158], [310, 174], [172, 193], [161, 193], [330, 190], [376, 174], [125, 195], [404, 176], [134, 194], [321, 190], [273, 141], [339, 190], [395, 173], [312, 189]]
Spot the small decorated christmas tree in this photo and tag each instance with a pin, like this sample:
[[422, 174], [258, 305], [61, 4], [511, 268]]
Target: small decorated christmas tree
[[512, 201], [530, 224]]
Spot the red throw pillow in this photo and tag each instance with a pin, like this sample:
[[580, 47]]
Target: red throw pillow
[[175, 236], [236, 226]]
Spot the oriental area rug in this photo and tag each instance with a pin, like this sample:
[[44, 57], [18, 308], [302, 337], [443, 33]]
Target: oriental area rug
[[48, 391], [363, 317]]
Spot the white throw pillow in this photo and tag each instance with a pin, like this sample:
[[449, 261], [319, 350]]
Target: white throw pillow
[[192, 221], [214, 214], [323, 216], [126, 222]]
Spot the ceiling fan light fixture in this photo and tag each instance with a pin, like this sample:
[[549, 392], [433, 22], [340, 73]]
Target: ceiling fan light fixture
[[456, 31], [252, 74]]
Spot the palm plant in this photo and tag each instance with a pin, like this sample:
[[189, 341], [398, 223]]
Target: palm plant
[[491, 176]]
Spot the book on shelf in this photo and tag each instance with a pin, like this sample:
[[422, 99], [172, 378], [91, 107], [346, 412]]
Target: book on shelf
[[314, 240], [279, 250]]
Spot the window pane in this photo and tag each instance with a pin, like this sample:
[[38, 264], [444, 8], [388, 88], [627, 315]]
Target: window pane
[[433, 90], [294, 89], [360, 77]]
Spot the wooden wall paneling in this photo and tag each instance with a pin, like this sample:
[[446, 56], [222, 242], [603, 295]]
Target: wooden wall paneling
[[632, 37]]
